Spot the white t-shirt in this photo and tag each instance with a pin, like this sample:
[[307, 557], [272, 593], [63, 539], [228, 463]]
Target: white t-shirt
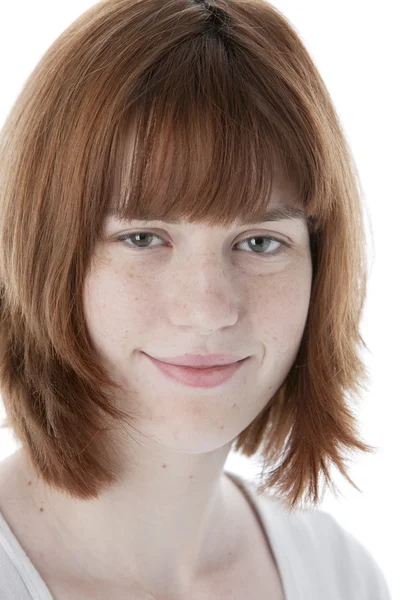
[[316, 558]]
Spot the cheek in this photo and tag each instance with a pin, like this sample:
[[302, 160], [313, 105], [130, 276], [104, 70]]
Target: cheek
[[117, 307], [120, 306], [278, 307]]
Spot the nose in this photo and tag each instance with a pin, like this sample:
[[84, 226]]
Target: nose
[[205, 299]]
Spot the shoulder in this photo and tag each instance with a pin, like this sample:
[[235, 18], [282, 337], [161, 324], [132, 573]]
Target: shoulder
[[319, 544], [12, 577], [352, 560], [13, 562]]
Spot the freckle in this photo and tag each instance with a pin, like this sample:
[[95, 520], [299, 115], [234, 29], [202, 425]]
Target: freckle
[[190, 476], [222, 427], [164, 466], [42, 509], [235, 405], [29, 482]]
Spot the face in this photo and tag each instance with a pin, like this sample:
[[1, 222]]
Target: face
[[178, 289]]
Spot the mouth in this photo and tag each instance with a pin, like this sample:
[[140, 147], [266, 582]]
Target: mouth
[[199, 361], [202, 377]]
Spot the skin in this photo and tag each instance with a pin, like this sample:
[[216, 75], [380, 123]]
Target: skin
[[170, 520]]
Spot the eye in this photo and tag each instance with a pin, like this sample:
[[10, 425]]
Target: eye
[[136, 235], [256, 242]]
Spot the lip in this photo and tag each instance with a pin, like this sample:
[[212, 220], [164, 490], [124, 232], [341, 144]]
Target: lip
[[195, 377], [200, 361]]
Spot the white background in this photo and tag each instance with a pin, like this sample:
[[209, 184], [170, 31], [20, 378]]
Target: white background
[[355, 45]]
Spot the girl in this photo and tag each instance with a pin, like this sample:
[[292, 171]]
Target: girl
[[182, 272]]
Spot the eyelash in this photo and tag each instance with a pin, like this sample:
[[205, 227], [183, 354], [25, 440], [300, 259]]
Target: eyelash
[[283, 248]]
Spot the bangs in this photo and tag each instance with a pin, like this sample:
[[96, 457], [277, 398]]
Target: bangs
[[206, 144]]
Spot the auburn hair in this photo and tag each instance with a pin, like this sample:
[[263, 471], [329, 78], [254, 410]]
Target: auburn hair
[[228, 95]]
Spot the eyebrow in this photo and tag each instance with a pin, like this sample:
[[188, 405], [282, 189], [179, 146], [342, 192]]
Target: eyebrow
[[288, 212], [274, 214]]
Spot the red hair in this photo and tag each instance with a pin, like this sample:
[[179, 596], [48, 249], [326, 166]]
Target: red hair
[[228, 95]]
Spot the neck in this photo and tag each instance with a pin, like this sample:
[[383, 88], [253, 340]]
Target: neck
[[162, 529]]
